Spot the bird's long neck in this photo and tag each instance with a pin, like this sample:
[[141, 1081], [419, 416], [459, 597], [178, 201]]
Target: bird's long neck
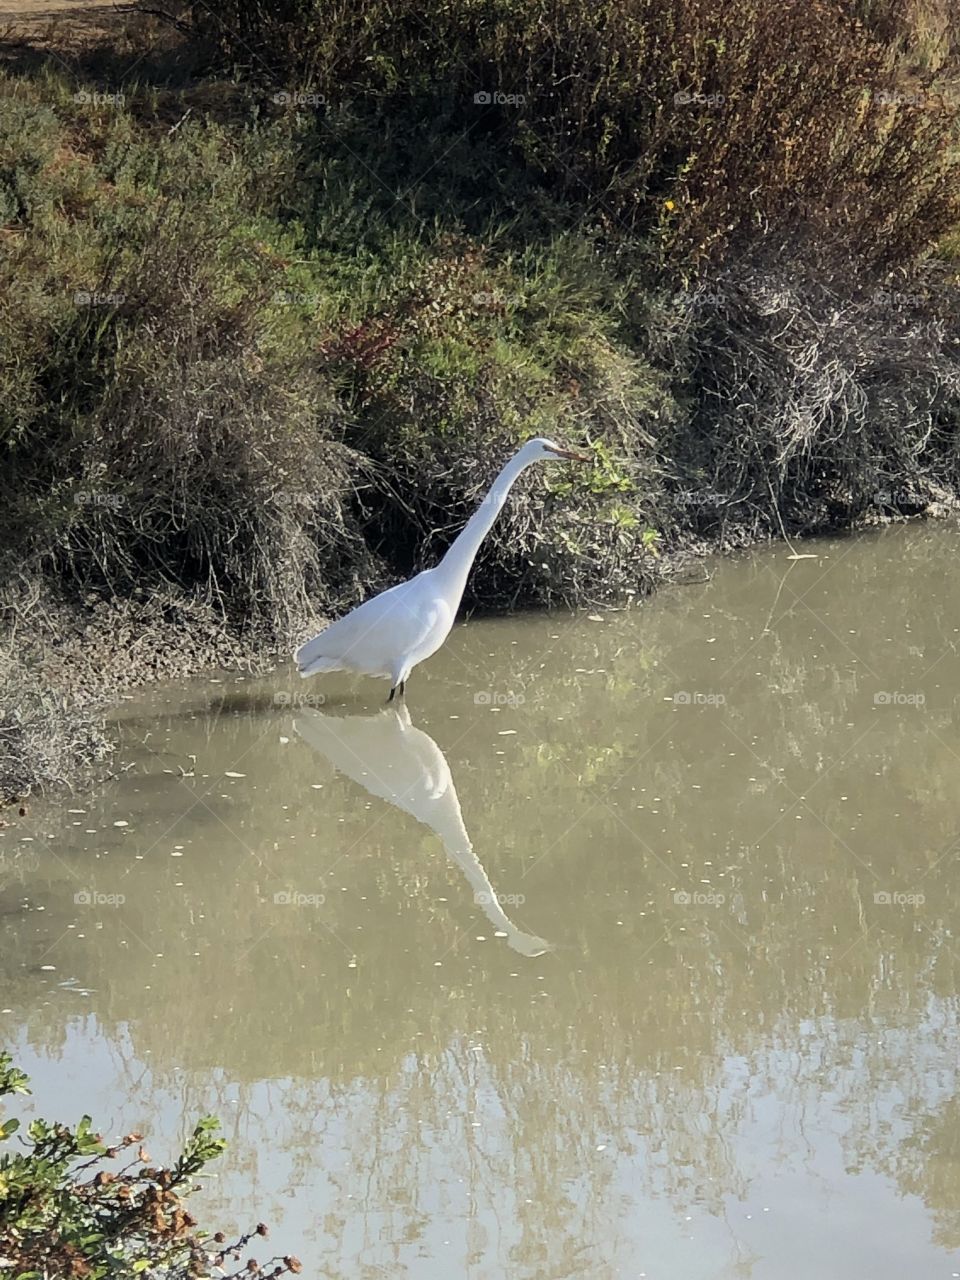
[[455, 565]]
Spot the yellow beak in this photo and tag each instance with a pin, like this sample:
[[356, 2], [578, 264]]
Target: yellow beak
[[574, 457]]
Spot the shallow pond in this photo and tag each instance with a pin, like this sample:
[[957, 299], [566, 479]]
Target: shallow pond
[[629, 949]]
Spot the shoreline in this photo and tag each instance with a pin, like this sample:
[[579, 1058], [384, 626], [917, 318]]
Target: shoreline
[[54, 738]]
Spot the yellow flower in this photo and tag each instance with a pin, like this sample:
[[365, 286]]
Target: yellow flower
[[668, 204]]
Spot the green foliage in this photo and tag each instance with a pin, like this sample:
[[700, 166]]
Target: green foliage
[[214, 378], [651, 540], [678, 120], [72, 1207], [158, 408]]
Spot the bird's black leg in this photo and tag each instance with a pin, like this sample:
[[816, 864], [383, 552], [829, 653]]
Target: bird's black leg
[[401, 686], [392, 692]]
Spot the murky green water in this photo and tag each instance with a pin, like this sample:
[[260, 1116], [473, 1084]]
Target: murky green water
[[631, 952]]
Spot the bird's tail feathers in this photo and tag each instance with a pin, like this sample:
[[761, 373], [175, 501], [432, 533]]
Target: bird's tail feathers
[[311, 659]]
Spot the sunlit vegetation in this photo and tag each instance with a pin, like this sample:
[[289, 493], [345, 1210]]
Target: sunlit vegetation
[[77, 1207], [271, 315]]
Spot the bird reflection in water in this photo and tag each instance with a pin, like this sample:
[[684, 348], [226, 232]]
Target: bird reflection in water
[[401, 764]]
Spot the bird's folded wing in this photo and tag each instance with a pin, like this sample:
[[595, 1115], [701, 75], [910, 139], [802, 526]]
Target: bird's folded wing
[[373, 636]]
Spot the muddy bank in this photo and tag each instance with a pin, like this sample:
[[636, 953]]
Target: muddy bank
[[64, 665]]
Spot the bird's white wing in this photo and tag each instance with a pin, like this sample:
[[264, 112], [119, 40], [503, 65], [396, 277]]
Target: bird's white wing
[[373, 638]]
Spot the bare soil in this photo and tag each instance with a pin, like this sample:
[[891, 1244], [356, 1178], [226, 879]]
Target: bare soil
[[39, 18]]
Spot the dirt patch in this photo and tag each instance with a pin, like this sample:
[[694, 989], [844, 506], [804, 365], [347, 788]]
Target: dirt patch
[[62, 24]]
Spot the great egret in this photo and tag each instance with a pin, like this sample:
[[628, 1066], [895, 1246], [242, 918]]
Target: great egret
[[401, 764], [391, 633]]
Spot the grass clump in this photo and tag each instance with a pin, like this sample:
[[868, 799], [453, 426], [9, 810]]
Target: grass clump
[[813, 409], [43, 733]]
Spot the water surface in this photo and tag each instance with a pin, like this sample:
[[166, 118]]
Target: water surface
[[627, 949]]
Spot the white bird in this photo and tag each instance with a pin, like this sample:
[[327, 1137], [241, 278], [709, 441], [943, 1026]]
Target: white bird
[[391, 633]]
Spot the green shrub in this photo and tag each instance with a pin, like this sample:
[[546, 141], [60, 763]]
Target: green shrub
[[212, 379], [679, 120], [159, 409], [73, 1207]]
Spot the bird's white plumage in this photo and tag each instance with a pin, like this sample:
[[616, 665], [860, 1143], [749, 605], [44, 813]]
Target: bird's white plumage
[[385, 636], [389, 634]]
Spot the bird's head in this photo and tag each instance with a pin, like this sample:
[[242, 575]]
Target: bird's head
[[540, 449]]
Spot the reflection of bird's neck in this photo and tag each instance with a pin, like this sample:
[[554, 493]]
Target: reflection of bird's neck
[[461, 851], [448, 824], [455, 565]]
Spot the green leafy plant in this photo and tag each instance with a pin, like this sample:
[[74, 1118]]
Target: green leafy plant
[[77, 1208]]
